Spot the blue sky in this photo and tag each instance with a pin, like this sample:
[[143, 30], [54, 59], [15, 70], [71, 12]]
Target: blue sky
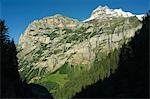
[[19, 13]]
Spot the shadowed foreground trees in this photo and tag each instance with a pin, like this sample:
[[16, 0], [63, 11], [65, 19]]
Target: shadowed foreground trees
[[131, 80], [9, 66], [11, 84]]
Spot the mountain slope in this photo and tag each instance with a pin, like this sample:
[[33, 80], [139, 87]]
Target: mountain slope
[[59, 52], [131, 80]]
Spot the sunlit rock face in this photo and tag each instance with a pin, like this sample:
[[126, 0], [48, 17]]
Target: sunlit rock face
[[50, 42]]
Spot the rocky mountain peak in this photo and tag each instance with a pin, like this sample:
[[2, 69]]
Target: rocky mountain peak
[[101, 9], [102, 12], [49, 43], [50, 23]]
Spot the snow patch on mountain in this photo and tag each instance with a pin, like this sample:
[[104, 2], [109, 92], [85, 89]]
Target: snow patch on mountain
[[106, 12], [140, 17]]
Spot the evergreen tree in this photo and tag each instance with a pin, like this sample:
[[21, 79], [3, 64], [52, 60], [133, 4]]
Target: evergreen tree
[[11, 84], [9, 71]]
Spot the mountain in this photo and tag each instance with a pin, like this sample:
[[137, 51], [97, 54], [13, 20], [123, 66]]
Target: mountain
[[65, 55], [104, 12]]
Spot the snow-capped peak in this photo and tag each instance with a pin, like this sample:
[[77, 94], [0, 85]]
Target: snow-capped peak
[[105, 11]]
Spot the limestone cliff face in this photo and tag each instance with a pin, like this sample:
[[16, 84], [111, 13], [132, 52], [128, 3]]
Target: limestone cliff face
[[50, 42]]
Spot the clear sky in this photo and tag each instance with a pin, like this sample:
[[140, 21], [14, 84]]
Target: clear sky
[[19, 13]]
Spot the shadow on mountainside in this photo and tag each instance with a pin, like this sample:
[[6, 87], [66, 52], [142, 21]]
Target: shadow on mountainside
[[35, 91], [11, 84], [131, 79]]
